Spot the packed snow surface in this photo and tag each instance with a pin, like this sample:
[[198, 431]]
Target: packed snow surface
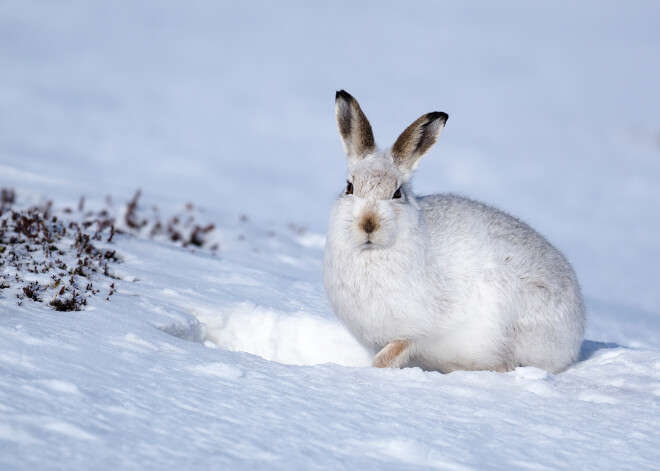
[[222, 352]]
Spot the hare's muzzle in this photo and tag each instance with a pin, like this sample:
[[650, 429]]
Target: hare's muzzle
[[369, 223]]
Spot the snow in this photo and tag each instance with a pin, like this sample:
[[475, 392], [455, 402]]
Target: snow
[[231, 358]]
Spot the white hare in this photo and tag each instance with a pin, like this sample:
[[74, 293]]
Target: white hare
[[441, 282]]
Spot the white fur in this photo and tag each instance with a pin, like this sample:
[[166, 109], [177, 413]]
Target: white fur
[[468, 286]]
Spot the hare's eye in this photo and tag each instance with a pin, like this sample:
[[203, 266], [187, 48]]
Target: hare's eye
[[397, 193], [349, 188]]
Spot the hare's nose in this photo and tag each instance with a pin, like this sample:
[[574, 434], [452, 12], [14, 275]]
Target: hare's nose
[[369, 223]]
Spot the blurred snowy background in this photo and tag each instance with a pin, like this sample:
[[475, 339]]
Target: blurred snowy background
[[230, 105]]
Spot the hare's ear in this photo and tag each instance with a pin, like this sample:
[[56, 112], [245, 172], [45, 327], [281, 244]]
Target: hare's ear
[[416, 140], [354, 127]]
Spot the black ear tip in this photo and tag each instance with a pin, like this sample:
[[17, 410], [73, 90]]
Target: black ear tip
[[343, 95], [437, 115]]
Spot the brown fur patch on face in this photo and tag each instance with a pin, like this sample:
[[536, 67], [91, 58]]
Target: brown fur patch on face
[[369, 223]]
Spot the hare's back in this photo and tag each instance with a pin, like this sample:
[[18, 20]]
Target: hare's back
[[467, 229]]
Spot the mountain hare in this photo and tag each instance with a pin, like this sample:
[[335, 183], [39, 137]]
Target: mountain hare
[[441, 282]]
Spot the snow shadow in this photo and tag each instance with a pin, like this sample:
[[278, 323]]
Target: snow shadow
[[192, 330], [590, 347]]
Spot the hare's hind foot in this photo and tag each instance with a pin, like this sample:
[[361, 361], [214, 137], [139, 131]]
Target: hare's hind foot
[[393, 355]]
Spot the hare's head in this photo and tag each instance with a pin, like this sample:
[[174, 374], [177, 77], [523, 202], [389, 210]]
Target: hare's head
[[378, 206]]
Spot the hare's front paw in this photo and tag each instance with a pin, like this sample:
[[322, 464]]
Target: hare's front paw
[[394, 355]]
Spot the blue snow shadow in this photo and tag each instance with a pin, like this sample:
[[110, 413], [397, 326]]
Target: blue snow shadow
[[590, 347]]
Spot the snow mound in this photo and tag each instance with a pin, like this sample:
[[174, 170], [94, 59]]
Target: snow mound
[[297, 338]]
